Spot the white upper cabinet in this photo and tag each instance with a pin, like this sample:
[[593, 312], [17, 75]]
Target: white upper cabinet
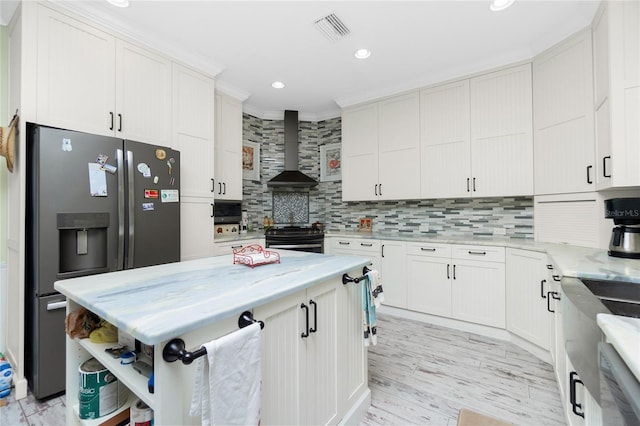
[[143, 95], [193, 130], [563, 117], [228, 148], [501, 133], [476, 136], [90, 81], [399, 147], [445, 140], [360, 153], [616, 54], [75, 79], [381, 150]]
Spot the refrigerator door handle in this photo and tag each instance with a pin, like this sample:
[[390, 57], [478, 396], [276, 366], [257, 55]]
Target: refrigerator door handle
[[56, 305], [131, 208], [120, 255]]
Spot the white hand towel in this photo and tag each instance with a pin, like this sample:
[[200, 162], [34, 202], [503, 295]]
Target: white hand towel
[[227, 386]]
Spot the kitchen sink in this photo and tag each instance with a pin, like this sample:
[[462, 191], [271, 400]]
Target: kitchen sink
[[620, 297]]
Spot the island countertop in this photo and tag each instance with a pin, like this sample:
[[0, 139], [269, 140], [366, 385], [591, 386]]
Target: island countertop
[[157, 303]]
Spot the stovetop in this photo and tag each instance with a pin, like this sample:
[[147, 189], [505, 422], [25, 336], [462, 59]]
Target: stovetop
[[294, 231]]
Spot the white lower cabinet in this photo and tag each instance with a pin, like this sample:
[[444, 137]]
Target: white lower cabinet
[[305, 344], [363, 247], [580, 406], [393, 261], [478, 285], [196, 228], [526, 296], [429, 278]]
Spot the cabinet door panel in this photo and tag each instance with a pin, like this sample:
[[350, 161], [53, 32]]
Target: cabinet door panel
[[75, 81], [445, 141], [501, 132], [478, 292], [563, 119], [429, 288], [527, 314], [143, 95], [196, 228], [360, 153], [193, 131], [394, 273], [321, 373], [399, 147], [282, 361], [228, 148]]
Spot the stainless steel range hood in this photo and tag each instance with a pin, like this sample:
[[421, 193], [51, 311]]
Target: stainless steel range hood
[[291, 177]]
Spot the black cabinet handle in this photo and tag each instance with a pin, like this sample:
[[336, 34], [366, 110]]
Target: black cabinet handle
[[224, 188], [474, 184], [556, 277], [454, 272], [375, 189], [544, 296], [573, 380], [306, 311], [589, 181], [382, 250], [219, 188], [427, 249], [448, 271], [213, 185], [366, 244], [380, 189], [604, 166], [111, 126], [344, 243], [479, 253], [119, 122], [212, 209], [236, 247], [552, 295], [315, 317], [467, 184], [550, 267]]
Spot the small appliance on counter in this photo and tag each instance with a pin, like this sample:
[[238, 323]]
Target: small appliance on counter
[[625, 237]]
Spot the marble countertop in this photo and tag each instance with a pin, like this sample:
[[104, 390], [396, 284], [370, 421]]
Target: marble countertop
[[570, 261], [157, 303], [624, 334]]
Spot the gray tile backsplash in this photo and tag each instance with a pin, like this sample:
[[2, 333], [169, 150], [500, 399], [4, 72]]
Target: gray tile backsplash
[[512, 216]]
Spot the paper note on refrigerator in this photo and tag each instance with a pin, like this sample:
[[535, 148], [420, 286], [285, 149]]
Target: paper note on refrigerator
[[97, 181]]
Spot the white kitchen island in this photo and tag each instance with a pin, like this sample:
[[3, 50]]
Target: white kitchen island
[[319, 379]]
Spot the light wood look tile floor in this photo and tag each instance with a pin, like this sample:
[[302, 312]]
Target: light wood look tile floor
[[419, 374]]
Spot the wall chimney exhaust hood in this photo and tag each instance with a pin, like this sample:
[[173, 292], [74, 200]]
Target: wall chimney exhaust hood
[[291, 177]]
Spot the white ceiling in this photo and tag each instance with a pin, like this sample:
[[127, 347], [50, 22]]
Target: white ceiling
[[250, 44]]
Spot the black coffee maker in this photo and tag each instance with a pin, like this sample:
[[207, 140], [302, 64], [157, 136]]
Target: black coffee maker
[[625, 237]]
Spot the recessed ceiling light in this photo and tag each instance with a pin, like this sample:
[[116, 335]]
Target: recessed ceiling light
[[362, 53], [119, 3], [497, 5], [277, 85]]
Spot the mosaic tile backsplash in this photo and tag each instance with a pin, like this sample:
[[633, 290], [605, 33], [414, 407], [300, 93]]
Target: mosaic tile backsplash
[[291, 208], [512, 216]]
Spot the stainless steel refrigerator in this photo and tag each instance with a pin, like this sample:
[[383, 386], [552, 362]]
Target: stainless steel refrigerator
[[95, 204]]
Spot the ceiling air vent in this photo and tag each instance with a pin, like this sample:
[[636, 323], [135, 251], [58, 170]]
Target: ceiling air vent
[[332, 27]]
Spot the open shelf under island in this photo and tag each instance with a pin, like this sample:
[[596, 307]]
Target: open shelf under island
[[319, 379]]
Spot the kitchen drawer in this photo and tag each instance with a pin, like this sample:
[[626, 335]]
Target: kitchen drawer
[[429, 249], [484, 253], [359, 244]]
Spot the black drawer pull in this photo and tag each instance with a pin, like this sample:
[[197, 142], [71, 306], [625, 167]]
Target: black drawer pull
[[550, 267], [236, 247], [544, 296], [479, 253], [604, 166], [366, 244], [344, 243], [427, 249], [589, 181], [573, 380], [556, 277]]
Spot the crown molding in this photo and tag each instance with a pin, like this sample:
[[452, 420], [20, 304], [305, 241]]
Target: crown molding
[[231, 90], [93, 12], [279, 115], [7, 10]]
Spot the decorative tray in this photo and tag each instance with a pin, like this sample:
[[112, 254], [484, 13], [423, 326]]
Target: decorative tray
[[254, 255]]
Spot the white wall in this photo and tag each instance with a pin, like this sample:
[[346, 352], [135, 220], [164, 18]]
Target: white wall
[[4, 120]]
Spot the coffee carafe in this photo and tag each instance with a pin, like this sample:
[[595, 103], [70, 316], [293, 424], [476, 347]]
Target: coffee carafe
[[625, 237]]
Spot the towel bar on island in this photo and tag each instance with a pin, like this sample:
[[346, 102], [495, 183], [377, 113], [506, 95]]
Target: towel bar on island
[[347, 279], [175, 350]]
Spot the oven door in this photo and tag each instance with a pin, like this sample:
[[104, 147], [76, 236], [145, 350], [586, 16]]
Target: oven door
[[619, 388]]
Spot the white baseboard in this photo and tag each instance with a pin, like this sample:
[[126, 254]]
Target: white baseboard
[[356, 414]]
